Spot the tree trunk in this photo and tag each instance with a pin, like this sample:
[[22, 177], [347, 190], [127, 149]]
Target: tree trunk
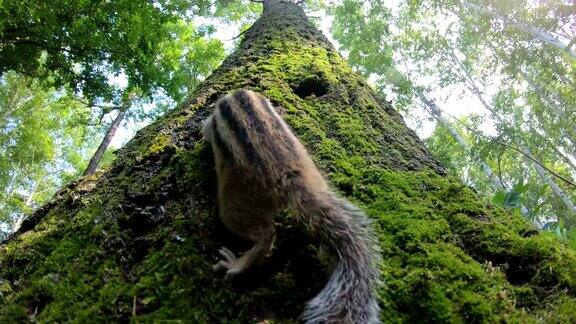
[[28, 204], [560, 116], [537, 33], [110, 132], [136, 243], [558, 192], [540, 170], [437, 114]]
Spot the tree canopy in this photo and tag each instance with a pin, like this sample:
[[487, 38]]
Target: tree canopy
[[40, 145], [67, 67]]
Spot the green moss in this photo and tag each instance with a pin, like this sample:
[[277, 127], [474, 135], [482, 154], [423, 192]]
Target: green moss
[[158, 145]]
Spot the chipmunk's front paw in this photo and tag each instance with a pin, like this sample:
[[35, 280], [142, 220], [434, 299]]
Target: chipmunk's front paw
[[230, 262]]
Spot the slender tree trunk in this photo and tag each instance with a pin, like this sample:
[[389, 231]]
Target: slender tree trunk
[[553, 146], [497, 183], [135, 243], [16, 99], [541, 35], [27, 203], [561, 112], [558, 192], [572, 142], [437, 114], [110, 132], [10, 187], [557, 109]]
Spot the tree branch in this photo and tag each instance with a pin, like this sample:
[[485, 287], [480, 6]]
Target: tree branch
[[58, 48], [238, 36]]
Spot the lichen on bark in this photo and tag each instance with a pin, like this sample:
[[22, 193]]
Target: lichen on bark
[[136, 241]]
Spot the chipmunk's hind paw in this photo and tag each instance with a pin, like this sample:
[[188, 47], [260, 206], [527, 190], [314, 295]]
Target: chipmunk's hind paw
[[230, 262]]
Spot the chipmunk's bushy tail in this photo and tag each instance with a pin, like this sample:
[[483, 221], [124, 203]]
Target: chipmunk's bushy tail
[[350, 295]]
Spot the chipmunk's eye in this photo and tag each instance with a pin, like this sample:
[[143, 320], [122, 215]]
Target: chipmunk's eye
[[292, 174]]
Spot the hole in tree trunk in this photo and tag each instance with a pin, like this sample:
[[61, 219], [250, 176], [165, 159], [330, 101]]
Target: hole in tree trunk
[[311, 87]]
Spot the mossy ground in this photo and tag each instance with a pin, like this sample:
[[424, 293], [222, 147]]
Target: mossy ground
[[136, 242]]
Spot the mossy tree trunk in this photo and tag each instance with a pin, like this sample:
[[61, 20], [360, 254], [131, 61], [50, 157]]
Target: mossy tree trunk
[[136, 241]]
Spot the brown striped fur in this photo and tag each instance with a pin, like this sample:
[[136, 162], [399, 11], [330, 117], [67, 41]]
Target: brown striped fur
[[262, 167]]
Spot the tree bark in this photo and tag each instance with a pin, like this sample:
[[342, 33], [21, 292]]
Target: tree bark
[[136, 242]]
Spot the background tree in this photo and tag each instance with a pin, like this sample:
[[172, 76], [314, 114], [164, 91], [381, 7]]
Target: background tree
[[184, 59], [82, 42], [515, 71], [161, 59], [41, 145]]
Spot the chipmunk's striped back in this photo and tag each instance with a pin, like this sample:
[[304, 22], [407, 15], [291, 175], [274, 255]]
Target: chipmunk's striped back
[[262, 167]]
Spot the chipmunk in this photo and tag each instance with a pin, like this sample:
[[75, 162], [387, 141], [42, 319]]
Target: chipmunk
[[262, 168]]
